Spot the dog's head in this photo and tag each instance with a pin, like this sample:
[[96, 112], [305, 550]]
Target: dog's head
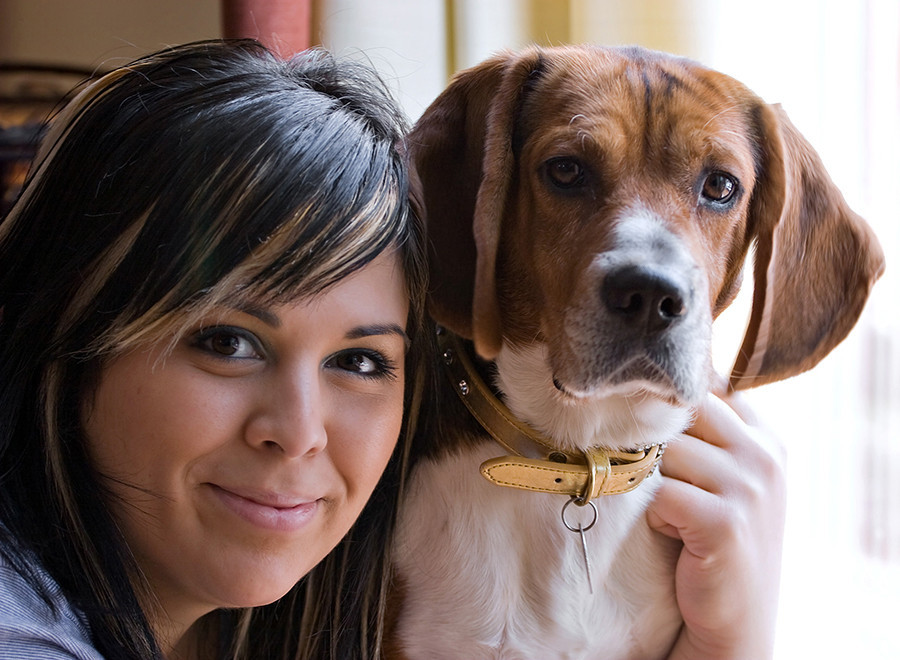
[[600, 203]]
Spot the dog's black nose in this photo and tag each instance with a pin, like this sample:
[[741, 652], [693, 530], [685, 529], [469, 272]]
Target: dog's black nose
[[646, 299]]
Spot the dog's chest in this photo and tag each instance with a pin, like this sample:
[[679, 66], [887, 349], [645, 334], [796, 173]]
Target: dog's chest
[[490, 572]]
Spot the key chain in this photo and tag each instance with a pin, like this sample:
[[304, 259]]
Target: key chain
[[580, 530]]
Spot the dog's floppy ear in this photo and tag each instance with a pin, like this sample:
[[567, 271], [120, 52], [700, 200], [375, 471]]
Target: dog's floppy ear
[[462, 159], [816, 260]]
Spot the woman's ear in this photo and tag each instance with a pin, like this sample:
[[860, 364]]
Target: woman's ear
[[462, 157], [816, 260]]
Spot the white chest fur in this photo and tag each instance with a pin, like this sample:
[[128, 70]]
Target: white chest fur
[[492, 572]]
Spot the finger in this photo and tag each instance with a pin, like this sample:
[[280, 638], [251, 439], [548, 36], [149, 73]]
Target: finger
[[688, 513], [753, 443], [739, 404], [698, 463], [716, 422], [721, 422]]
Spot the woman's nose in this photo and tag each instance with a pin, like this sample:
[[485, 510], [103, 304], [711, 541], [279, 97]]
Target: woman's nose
[[289, 417]]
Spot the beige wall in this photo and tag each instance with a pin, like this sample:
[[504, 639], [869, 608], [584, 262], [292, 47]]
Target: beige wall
[[92, 33]]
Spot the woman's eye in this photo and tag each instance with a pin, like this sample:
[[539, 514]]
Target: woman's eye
[[228, 342], [371, 364]]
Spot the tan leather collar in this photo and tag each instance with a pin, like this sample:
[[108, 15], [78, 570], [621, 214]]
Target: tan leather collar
[[535, 464]]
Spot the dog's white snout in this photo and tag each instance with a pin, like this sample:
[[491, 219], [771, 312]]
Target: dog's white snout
[[641, 319], [645, 298]]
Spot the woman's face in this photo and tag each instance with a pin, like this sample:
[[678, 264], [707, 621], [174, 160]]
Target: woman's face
[[239, 460]]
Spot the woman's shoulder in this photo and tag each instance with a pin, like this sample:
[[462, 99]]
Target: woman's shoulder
[[36, 620]]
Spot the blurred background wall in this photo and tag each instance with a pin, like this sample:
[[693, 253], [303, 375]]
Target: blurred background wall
[[98, 33], [834, 66]]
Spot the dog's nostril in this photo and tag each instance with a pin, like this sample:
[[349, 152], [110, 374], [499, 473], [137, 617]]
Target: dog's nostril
[[671, 307], [633, 304], [644, 298]]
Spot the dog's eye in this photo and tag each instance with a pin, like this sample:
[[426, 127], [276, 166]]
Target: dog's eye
[[565, 172], [719, 187]]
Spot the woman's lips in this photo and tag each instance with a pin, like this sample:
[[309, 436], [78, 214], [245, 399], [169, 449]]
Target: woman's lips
[[270, 511]]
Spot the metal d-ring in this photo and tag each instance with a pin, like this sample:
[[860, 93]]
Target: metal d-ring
[[580, 502]]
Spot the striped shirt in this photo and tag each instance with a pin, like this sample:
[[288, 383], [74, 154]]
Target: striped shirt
[[31, 630]]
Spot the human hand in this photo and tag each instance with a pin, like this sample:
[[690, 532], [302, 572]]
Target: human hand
[[723, 494]]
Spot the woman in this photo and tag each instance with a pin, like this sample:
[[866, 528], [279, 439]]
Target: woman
[[208, 291]]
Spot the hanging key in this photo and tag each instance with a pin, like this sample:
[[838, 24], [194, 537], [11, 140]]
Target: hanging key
[[580, 529]]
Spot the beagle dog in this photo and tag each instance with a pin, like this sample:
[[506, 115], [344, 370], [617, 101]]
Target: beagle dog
[[589, 211]]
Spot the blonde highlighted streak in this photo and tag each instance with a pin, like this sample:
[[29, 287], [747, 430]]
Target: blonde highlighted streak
[[99, 274]]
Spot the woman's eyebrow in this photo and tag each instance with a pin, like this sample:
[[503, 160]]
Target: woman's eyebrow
[[262, 314], [378, 329]]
